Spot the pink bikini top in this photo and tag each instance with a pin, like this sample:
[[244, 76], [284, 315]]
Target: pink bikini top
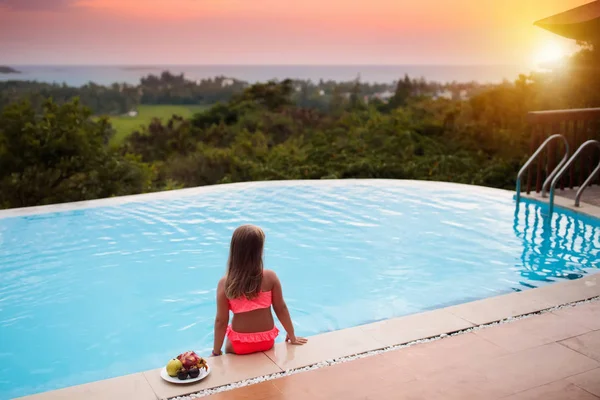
[[242, 304]]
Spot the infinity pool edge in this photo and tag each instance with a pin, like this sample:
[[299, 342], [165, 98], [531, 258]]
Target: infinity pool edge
[[173, 194]]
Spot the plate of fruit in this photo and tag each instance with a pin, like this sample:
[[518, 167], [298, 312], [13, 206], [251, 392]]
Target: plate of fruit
[[188, 367]]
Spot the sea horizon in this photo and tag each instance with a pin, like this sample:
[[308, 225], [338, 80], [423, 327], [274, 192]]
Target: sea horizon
[[77, 75]]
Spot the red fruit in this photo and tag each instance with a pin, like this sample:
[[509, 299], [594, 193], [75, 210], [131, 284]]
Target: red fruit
[[188, 359]]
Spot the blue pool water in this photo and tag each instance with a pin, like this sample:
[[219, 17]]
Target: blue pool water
[[94, 293]]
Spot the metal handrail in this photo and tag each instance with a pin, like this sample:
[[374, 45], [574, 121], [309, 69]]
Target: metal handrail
[[564, 169], [534, 156], [553, 116]]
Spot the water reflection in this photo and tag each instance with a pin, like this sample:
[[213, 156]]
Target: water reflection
[[562, 246]]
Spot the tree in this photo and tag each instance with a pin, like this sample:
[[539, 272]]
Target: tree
[[159, 141], [51, 152], [272, 95], [336, 105], [403, 92], [355, 95], [59, 156]]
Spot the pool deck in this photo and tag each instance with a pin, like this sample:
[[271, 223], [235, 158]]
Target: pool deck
[[552, 356], [591, 194], [558, 350], [536, 352], [590, 200]]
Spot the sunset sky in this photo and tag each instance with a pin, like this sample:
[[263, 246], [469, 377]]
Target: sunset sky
[[277, 31]]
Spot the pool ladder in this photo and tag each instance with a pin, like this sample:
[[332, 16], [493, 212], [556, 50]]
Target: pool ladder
[[564, 169], [535, 155], [559, 171]]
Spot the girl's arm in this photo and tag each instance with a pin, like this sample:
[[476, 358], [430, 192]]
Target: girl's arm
[[283, 314], [222, 318]]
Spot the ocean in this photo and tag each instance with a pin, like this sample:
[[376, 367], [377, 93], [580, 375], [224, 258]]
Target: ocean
[[106, 75]]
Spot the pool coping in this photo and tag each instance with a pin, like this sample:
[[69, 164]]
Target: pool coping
[[563, 202], [230, 369]]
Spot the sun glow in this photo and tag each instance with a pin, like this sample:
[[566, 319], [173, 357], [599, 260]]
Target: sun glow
[[549, 52]]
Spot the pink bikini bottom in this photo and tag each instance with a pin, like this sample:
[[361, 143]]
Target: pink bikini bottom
[[247, 343]]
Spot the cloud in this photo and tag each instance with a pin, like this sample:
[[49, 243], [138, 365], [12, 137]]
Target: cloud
[[36, 5]]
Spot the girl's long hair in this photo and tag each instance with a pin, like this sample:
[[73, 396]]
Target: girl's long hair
[[245, 263]]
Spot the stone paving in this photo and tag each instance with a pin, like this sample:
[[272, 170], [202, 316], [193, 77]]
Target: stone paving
[[551, 356]]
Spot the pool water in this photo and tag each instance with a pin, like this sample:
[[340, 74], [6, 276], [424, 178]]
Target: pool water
[[99, 292]]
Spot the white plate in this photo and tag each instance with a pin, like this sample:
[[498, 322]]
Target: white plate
[[173, 379]]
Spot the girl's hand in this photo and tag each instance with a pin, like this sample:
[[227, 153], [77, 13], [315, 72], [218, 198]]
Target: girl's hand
[[299, 341]]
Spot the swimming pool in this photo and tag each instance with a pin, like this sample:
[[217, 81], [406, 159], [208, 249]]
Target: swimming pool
[[98, 292]]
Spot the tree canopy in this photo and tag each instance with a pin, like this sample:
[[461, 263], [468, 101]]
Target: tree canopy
[[61, 155], [56, 152]]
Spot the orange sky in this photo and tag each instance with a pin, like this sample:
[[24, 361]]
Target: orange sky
[[275, 31]]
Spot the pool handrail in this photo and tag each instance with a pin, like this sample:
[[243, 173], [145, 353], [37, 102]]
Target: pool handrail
[[564, 169], [534, 156]]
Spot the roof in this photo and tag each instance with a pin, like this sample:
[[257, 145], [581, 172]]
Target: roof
[[580, 23]]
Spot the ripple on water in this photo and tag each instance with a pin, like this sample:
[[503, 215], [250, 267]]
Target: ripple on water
[[90, 290]]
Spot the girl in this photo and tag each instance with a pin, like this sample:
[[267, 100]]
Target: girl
[[249, 291]]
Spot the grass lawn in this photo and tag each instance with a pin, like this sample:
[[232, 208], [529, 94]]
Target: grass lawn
[[125, 125]]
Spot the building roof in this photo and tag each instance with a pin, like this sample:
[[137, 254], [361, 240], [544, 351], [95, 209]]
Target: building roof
[[580, 23]]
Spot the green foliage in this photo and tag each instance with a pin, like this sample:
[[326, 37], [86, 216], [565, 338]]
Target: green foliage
[[158, 142], [172, 89], [61, 155], [124, 125], [112, 100], [403, 92], [271, 95], [54, 153]]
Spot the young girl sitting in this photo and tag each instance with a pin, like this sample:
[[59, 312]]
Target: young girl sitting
[[249, 291]]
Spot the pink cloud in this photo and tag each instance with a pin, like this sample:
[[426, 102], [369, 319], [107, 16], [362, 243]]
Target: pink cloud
[[272, 31], [36, 5]]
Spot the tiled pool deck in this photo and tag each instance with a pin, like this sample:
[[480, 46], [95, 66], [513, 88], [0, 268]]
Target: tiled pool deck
[[591, 194], [554, 354], [590, 200]]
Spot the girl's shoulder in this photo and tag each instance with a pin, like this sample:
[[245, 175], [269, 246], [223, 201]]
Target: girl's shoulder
[[269, 274], [221, 283], [269, 278]]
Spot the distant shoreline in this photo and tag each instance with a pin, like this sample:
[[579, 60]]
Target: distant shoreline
[[8, 70], [386, 74], [142, 68]]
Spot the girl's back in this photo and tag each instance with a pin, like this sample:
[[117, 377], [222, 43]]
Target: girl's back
[[249, 291], [254, 315]]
